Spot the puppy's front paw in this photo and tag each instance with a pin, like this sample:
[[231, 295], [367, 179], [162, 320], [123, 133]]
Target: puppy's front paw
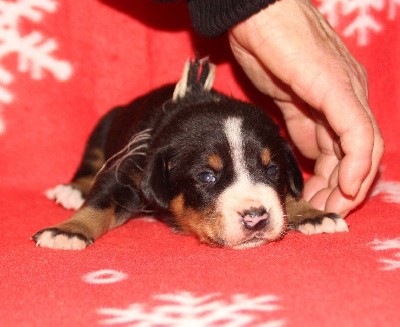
[[66, 195], [327, 223], [55, 238]]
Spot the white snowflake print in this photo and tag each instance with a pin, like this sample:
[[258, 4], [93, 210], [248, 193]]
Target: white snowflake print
[[364, 22], [392, 263], [388, 190], [104, 276], [34, 52], [185, 309]]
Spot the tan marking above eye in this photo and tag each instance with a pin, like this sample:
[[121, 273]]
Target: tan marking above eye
[[215, 161], [265, 157]]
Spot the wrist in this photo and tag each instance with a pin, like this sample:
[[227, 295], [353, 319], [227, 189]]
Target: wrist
[[214, 17]]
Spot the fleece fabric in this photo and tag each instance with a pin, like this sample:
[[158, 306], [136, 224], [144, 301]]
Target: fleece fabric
[[65, 63]]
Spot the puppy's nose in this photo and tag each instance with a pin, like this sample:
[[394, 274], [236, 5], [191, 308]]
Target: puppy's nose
[[255, 218]]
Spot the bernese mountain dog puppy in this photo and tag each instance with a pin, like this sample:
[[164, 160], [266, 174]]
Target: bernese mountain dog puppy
[[204, 163]]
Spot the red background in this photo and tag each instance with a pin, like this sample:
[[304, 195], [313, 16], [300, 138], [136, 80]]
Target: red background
[[118, 50]]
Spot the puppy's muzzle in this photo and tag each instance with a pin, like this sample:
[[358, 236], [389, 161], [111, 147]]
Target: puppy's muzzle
[[255, 219]]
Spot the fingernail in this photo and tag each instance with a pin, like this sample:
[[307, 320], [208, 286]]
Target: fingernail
[[344, 214], [355, 188], [350, 192]]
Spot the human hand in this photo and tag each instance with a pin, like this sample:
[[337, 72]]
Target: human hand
[[292, 54]]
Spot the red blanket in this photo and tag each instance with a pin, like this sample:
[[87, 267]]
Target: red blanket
[[63, 64]]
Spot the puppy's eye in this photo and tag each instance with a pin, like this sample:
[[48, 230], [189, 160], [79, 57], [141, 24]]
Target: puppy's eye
[[207, 177], [272, 170]]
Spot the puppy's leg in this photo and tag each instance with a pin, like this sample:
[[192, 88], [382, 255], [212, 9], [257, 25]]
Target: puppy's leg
[[109, 204], [308, 220], [73, 194]]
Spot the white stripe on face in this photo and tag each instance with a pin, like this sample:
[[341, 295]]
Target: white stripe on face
[[244, 193], [233, 132]]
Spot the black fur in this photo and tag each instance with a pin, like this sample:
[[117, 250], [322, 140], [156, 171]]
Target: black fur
[[172, 154], [183, 133]]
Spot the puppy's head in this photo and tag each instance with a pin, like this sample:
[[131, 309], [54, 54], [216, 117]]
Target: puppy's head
[[223, 171]]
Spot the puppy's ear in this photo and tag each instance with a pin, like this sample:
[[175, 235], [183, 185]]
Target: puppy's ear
[[154, 183], [294, 177]]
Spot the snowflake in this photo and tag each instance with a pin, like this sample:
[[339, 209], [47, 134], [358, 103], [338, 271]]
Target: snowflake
[[390, 191], [393, 244], [379, 245], [363, 11], [34, 52], [185, 309]]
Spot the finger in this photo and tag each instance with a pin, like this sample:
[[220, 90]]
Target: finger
[[331, 198], [350, 121], [320, 198], [325, 177], [312, 186], [357, 144], [334, 179], [301, 128], [339, 202], [324, 167]]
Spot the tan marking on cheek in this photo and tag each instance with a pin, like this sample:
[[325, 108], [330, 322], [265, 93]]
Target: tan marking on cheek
[[177, 205], [265, 156], [195, 222], [215, 162]]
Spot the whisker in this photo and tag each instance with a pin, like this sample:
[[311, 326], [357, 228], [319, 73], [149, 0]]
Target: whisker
[[136, 211], [136, 143]]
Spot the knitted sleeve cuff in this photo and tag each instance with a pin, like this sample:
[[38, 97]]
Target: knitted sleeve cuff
[[214, 17]]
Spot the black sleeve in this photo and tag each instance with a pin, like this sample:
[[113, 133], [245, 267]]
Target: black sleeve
[[214, 17]]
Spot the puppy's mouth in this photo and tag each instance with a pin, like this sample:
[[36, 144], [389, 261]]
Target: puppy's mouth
[[252, 242], [258, 238], [249, 238]]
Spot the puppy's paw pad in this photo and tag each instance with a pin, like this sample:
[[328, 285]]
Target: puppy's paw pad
[[327, 224], [307, 228], [66, 195], [55, 239]]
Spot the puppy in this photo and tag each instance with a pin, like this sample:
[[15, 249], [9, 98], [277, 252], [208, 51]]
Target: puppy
[[206, 164]]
